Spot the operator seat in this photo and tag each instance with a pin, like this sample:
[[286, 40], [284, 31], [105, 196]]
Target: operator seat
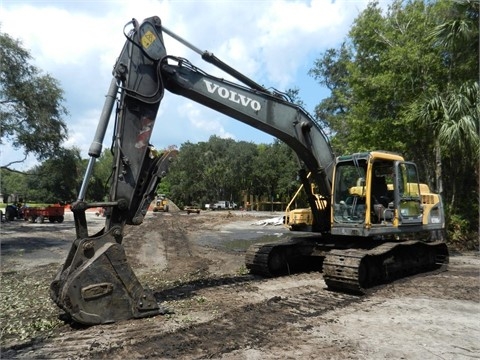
[[380, 190], [380, 199]]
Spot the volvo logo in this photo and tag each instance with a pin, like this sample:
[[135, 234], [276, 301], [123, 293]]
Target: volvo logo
[[232, 95]]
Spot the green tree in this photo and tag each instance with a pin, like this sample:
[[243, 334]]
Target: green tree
[[294, 95], [275, 171], [186, 175], [99, 184], [406, 80], [56, 179], [383, 66], [452, 112], [14, 183], [210, 171], [241, 157], [454, 117], [31, 107], [224, 169], [331, 71]]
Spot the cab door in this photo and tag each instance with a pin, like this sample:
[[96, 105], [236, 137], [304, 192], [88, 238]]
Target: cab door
[[408, 200]]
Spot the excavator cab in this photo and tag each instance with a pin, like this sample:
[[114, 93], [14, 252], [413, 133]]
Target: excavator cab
[[375, 193]]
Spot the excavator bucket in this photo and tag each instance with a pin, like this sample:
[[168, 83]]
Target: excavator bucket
[[98, 286]]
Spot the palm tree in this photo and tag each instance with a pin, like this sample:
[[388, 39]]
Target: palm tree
[[454, 117], [453, 111]]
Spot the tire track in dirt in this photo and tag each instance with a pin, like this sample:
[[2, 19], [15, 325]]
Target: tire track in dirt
[[234, 316], [255, 318], [181, 255], [175, 237]]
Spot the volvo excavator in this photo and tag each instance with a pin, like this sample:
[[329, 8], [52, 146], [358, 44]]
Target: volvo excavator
[[372, 221]]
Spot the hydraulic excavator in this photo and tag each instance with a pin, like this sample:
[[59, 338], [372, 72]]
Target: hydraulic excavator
[[371, 219]]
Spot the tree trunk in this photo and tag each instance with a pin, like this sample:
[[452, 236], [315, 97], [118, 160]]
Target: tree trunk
[[477, 170], [438, 168]]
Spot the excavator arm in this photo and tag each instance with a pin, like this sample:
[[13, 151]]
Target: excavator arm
[[96, 284]]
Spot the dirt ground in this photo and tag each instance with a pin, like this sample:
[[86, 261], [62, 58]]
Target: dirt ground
[[195, 266]]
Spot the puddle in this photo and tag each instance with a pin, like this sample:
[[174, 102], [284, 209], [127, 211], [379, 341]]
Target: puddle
[[241, 245]]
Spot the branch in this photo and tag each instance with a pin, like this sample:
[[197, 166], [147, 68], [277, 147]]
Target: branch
[[384, 38], [15, 171], [6, 167], [8, 101]]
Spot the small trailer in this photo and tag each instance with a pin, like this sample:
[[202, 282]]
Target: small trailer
[[52, 213]]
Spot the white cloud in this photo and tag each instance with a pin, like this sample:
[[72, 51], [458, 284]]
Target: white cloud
[[202, 122], [270, 41], [81, 132]]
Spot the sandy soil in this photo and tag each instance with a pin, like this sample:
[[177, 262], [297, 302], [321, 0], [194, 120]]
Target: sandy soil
[[194, 264]]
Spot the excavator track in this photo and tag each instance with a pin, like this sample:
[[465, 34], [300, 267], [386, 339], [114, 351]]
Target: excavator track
[[356, 270], [274, 259], [348, 270]]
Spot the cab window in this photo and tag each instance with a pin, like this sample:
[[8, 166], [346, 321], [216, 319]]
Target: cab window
[[349, 197]]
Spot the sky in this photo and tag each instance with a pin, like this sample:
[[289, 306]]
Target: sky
[[273, 42]]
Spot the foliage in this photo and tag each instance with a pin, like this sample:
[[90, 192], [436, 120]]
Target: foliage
[[452, 110], [294, 96], [56, 180], [31, 107], [220, 169], [223, 169], [13, 183], [331, 71], [99, 184], [406, 80], [275, 171], [461, 235]]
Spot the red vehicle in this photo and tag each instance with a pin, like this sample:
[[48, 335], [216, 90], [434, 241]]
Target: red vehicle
[[52, 213]]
